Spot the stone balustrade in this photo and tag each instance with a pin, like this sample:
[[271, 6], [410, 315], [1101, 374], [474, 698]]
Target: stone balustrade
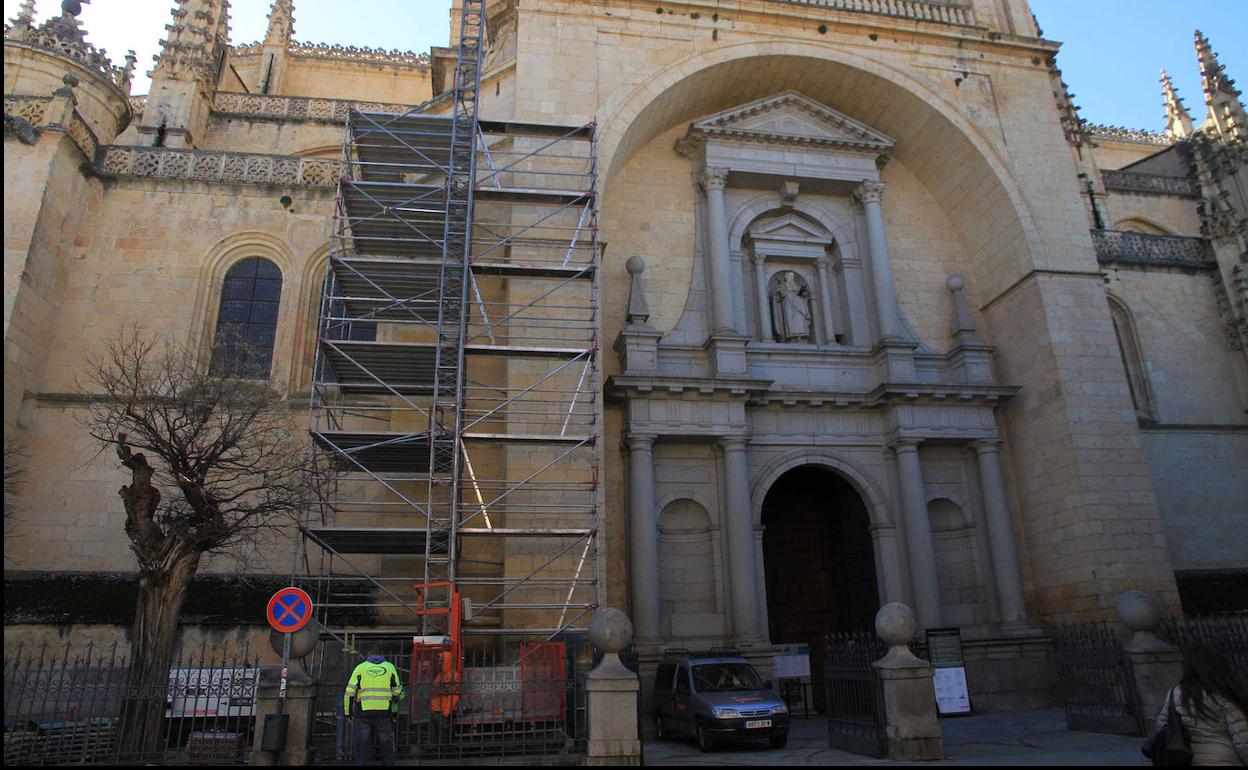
[[297, 107], [921, 10], [1153, 184], [29, 108], [220, 167], [1144, 249], [79, 51]]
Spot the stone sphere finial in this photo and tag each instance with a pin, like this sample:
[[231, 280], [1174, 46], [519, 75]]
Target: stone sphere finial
[[70, 79], [895, 624], [610, 630], [1139, 611], [955, 283], [635, 265]]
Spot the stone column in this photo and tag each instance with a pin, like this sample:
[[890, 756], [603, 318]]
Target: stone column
[[714, 180], [612, 692], [1155, 665], [643, 541], [869, 194], [1001, 537], [888, 562], [762, 300], [918, 526], [911, 725], [825, 300], [740, 524]]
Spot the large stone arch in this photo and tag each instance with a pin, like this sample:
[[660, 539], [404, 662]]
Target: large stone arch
[[866, 487], [942, 148]]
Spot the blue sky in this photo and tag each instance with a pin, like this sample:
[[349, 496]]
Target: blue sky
[[1112, 49]]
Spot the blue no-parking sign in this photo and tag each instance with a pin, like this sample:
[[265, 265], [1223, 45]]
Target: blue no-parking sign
[[289, 610]]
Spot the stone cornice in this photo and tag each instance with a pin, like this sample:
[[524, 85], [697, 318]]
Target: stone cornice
[[658, 386]]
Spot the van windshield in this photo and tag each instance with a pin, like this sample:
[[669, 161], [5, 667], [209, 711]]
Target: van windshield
[[725, 677]]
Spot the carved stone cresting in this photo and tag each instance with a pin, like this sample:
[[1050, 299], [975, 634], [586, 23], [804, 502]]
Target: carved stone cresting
[[1155, 184], [63, 36], [220, 167], [299, 107], [1121, 134]]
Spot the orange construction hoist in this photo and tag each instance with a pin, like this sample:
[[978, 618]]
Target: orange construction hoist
[[438, 659]]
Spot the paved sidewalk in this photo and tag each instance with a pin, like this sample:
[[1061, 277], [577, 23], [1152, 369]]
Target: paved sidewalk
[[1014, 738]]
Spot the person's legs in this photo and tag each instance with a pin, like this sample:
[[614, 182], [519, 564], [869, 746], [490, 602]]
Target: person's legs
[[363, 739], [385, 736]]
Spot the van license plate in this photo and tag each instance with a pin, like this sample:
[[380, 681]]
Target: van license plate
[[754, 723]]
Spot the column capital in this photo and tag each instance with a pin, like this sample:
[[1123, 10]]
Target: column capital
[[714, 178], [640, 440], [823, 263], [758, 258], [987, 445], [901, 445], [869, 191], [733, 443]]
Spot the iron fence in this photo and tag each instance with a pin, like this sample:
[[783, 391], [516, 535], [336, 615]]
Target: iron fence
[[528, 702], [854, 699], [1226, 633], [1095, 679], [69, 705]]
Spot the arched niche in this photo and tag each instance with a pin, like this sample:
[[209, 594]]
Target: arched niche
[[687, 588], [959, 568]]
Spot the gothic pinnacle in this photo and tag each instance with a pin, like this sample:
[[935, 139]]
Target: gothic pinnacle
[[1178, 121], [281, 23], [1226, 113]]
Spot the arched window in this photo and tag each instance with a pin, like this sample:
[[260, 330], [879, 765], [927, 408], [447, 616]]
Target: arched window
[[1132, 360], [247, 319]]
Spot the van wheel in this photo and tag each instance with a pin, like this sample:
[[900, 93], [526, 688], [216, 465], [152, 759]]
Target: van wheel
[[705, 742], [779, 741], [660, 730]]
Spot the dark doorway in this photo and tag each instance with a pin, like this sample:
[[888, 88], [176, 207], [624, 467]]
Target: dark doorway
[[819, 562]]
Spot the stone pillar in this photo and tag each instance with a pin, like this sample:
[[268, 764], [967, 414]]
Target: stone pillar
[[643, 528], [825, 301], [300, 706], [869, 194], [859, 331], [714, 180], [911, 726], [613, 692], [740, 524], [1001, 538], [923, 579], [763, 300], [1155, 665]]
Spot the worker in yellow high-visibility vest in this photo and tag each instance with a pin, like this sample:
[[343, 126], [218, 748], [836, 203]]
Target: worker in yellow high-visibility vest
[[375, 690]]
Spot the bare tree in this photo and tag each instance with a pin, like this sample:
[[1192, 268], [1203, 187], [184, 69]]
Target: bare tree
[[213, 460]]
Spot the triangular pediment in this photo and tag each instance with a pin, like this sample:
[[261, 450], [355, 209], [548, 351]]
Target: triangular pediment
[[790, 117], [789, 228]]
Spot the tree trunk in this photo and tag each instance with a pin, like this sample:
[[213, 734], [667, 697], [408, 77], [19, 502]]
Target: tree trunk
[[154, 642]]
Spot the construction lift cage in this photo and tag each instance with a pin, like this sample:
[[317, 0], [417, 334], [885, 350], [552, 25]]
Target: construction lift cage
[[454, 412]]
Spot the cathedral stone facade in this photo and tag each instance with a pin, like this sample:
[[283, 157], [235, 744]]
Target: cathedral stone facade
[[891, 322]]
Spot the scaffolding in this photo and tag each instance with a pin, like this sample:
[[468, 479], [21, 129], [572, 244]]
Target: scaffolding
[[455, 397]]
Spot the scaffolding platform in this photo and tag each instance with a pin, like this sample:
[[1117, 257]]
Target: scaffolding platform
[[456, 395]]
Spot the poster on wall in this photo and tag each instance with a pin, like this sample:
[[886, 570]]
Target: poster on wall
[[944, 650]]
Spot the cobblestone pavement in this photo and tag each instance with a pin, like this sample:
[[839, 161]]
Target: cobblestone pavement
[[1015, 738]]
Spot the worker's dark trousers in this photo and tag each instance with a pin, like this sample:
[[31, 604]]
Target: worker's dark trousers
[[380, 727]]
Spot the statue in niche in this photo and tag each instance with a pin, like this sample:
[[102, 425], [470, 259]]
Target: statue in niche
[[790, 308]]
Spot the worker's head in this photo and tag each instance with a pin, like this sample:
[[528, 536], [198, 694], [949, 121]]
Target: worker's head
[[374, 649]]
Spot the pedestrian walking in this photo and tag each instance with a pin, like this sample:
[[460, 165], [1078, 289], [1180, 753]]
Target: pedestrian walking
[[371, 702], [1211, 703]]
